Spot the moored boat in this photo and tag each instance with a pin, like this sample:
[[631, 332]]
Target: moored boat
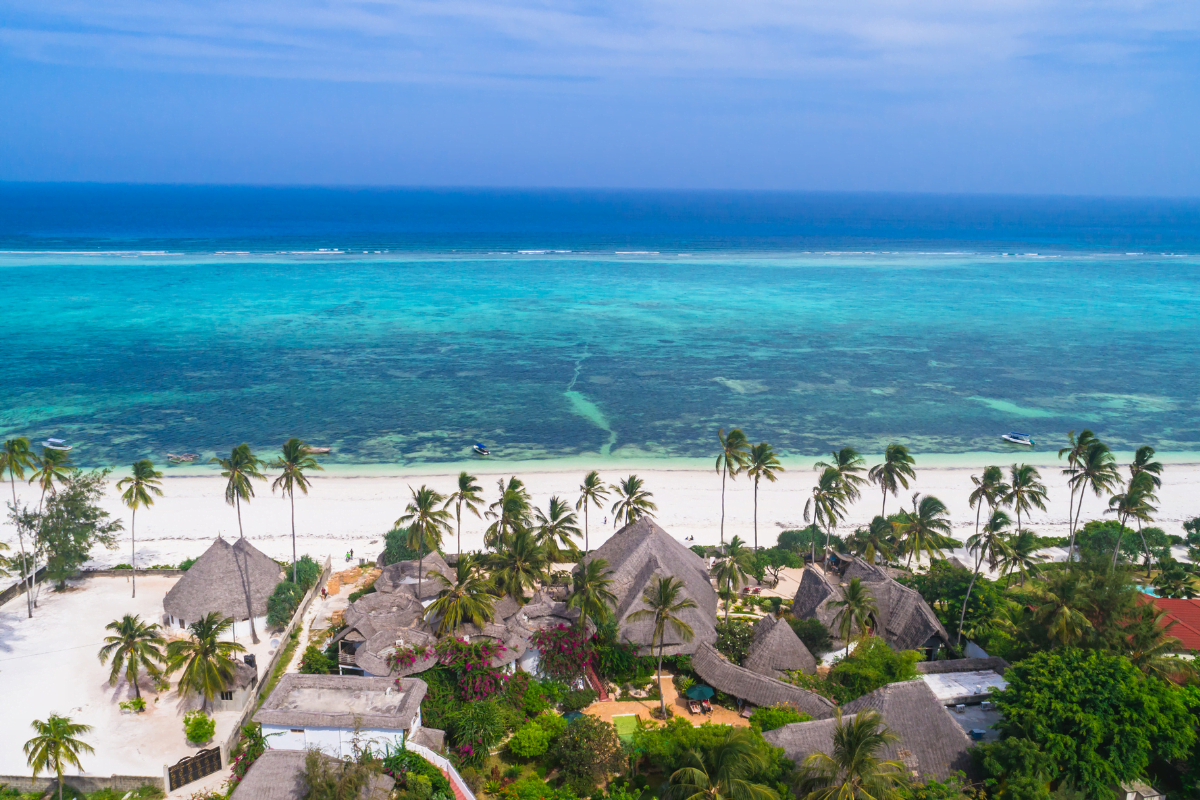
[[56, 444], [1018, 438], [316, 450], [481, 450]]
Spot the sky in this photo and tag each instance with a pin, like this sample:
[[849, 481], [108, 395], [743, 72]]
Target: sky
[[1091, 97]]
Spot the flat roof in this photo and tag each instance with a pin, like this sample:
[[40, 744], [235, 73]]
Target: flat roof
[[342, 701], [949, 685]]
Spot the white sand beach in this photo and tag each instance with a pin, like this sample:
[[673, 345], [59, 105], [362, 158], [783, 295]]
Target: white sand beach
[[344, 512]]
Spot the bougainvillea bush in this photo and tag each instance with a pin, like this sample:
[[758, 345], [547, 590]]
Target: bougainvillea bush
[[565, 651], [472, 666]]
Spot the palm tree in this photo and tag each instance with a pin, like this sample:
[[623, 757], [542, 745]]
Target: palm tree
[[1074, 451], [854, 609], [856, 769], [1057, 608], [518, 564], [663, 604], [592, 491], [50, 467], [722, 772], [240, 468], [990, 544], [208, 663], [989, 488], [877, 538], [511, 511], [927, 528], [1096, 469], [731, 570], [294, 460], [56, 747], [762, 464], [633, 502], [140, 489], [1025, 491], [468, 494], [732, 460], [848, 462], [1150, 646], [425, 521], [467, 597], [555, 528], [826, 507], [134, 645], [591, 592], [894, 472], [1143, 461], [1134, 502], [15, 458], [1021, 556]]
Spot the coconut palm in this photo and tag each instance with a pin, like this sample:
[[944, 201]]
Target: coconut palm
[[1143, 461], [466, 598], [876, 539], [762, 465], [555, 529], [294, 461], [723, 771], [1096, 468], [826, 507], [1025, 491], [633, 502], [56, 746], [511, 512], [208, 663], [591, 592], [15, 457], [139, 489], [1058, 608], [848, 462], [1021, 556], [989, 488], [1134, 502], [592, 491], [426, 523], [664, 601], [732, 569], [893, 473], [467, 494], [732, 460], [990, 544], [519, 563], [240, 469], [1151, 648], [856, 769], [854, 610], [1074, 451], [134, 646], [927, 528]]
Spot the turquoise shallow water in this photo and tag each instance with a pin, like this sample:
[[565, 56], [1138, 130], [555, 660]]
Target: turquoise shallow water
[[408, 356]]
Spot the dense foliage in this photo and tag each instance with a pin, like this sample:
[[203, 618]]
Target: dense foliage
[[308, 572], [587, 751], [282, 603], [396, 547], [565, 652], [734, 639], [814, 634], [70, 525], [471, 665], [535, 737], [415, 776], [768, 718], [315, 662]]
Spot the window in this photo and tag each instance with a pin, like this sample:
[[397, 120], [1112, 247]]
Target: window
[[226, 695]]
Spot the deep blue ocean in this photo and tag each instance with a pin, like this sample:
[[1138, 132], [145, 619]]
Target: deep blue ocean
[[400, 326]]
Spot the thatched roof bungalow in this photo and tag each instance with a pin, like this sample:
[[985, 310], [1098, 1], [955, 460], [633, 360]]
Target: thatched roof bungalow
[[760, 690], [233, 580], [776, 650]]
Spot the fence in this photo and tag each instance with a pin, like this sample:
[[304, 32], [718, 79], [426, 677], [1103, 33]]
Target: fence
[[192, 768], [443, 763], [82, 783]]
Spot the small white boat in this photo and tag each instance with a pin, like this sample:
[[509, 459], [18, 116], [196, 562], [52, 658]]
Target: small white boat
[[1018, 438], [316, 450], [480, 449], [182, 458], [56, 444]]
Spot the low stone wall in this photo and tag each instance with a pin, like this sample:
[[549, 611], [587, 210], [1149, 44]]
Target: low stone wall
[[18, 588], [82, 783], [125, 573]]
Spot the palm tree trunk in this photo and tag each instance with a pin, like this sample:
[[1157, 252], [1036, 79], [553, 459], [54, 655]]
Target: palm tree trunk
[[133, 678], [724, 470], [828, 531], [420, 562], [292, 496], [883, 506], [133, 548], [1149, 558], [21, 537], [458, 516], [59, 772], [756, 513], [585, 525], [238, 504], [962, 617], [662, 696], [1117, 547]]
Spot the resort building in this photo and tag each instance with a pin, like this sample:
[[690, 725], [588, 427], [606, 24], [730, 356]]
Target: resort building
[[964, 681], [233, 580], [1182, 620], [279, 775], [777, 650], [754, 689]]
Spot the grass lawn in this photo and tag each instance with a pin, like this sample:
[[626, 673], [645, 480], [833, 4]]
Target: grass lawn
[[625, 724]]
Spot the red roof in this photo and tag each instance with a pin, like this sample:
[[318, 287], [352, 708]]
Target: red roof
[[1186, 615]]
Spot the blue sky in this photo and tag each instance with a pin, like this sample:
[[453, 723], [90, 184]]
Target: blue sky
[[1057, 96]]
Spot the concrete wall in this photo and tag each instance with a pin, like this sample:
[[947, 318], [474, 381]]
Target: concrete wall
[[83, 783], [334, 741]]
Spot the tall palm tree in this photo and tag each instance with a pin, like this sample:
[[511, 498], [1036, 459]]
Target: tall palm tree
[[723, 772], [762, 465], [134, 645], [732, 569], [56, 746], [139, 489], [1096, 468], [240, 469], [894, 472], [1021, 556], [989, 488], [1025, 490], [52, 466], [511, 512], [555, 530], [826, 507], [1151, 648], [731, 460], [15, 457], [466, 598], [1143, 461], [848, 462], [877, 539], [519, 563], [207, 662], [633, 502], [295, 459], [426, 523], [664, 601], [1074, 451], [854, 610], [592, 491], [591, 592], [856, 770], [990, 544], [1134, 502], [467, 494], [1058, 608], [927, 528]]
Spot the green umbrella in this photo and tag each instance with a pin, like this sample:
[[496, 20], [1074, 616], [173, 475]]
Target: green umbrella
[[700, 692]]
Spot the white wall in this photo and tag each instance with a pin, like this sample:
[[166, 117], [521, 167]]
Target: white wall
[[337, 742], [241, 629]]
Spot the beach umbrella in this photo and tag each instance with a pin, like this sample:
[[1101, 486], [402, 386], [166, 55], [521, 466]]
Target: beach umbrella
[[700, 692], [571, 716]]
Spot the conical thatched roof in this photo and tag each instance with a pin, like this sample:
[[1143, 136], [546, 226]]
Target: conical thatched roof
[[720, 673], [402, 576], [641, 552], [233, 580], [777, 649]]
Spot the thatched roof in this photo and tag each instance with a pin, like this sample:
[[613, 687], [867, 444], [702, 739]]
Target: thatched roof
[[402, 576], [279, 775], [432, 738], [931, 743], [641, 552], [378, 611], [233, 580], [994, 663], [372, 655], [337, 701], [722, 674], [776, 649]]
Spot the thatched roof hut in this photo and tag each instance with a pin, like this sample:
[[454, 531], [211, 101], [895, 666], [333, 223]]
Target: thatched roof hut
[[724, 675], [776, 649], [279, 775], [233, 580]]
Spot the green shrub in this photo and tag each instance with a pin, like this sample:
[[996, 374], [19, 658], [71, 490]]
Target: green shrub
[[406, 767], [198, 726], [186, 564], [578, 699], [768, 718], [136, 704], [368, 589], [123, 566], [733, 639], [282, 603], [530, 741], [395, 547], [307, 572], [872, 664], [814, 634], [587, 751], [315, 662]]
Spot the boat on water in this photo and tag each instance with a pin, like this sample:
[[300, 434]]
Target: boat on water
[[182, 458], [56, 444], [1018, 438], [481, 450], [316, 450]]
